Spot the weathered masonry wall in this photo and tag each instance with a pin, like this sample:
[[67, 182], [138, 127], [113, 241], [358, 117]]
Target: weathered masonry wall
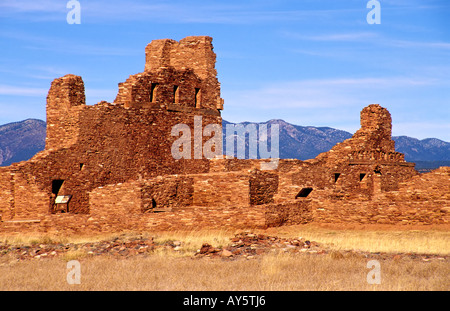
[[289, 213], [20, 197], [29, 201], [131, 138], [219, 189], [6, 194], [65, 101], [195, 53], [422, 200], [123, 207], [111, 149], [115, 162]]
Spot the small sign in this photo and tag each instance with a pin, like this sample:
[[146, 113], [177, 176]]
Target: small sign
[[63, 199]]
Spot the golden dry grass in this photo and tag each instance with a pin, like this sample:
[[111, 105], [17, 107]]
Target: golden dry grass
[[273, 272], [419, 241], [166, 269]]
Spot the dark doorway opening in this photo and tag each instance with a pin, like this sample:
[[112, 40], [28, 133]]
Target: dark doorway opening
[[56, 185]]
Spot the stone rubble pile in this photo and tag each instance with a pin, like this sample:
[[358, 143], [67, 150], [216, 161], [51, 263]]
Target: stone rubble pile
[[114, 247], [244, 245], [250, 245]]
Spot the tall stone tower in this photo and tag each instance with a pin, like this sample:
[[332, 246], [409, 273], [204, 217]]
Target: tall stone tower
[[177, 75], [65, 100]]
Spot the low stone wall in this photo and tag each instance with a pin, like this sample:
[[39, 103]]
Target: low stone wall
[[6, 193], [372, 212], [288, 213], [221, 189], [422, 200], [20, 197], [190, 218]]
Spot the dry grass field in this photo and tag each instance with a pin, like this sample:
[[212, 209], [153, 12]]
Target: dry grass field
[[342, 267]]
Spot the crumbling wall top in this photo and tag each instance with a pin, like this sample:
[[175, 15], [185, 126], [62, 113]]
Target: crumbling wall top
[[67, 91], [375, 118], [376, 129], [194, 52], [373, 141]]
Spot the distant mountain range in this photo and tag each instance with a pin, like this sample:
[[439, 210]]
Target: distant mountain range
[[306, 142], [19, 141], [301, 142]]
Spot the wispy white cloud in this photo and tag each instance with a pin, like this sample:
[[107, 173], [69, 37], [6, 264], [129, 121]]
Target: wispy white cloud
[[174, 11], [367, 37], [22, 90], [391, 82], [336, 102], [64, 45], [41, 72], [84, 49], [323, 92], [33, 6], [419, 44], [350, 36], [93, 95]]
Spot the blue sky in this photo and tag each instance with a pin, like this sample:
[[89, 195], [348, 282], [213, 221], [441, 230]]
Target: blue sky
[[308, 62]]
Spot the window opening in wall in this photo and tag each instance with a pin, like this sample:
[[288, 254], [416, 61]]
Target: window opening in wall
[[304, 193], [197, 97], [153, 92], [81, 166], [56, 185], [176, 94], [361, 176], [336, 176], [377, 170]]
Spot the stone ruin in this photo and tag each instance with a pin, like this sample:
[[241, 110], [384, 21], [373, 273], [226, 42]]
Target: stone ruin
[[108, 167]]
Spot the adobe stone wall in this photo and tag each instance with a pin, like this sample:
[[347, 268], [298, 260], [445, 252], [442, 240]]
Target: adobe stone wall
[[194, 52], [421, 200], [109, 143], [20, 197], [167, 192], [6, 193], [295, 212], [112, 149], [221, 189], [29, 201], [118, 208], [115, 160], [65, 100]]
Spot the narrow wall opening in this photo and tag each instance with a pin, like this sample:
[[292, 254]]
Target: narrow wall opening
[[336, 177], [153, 92], [176, 94], [197, 97], [304, 193]]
